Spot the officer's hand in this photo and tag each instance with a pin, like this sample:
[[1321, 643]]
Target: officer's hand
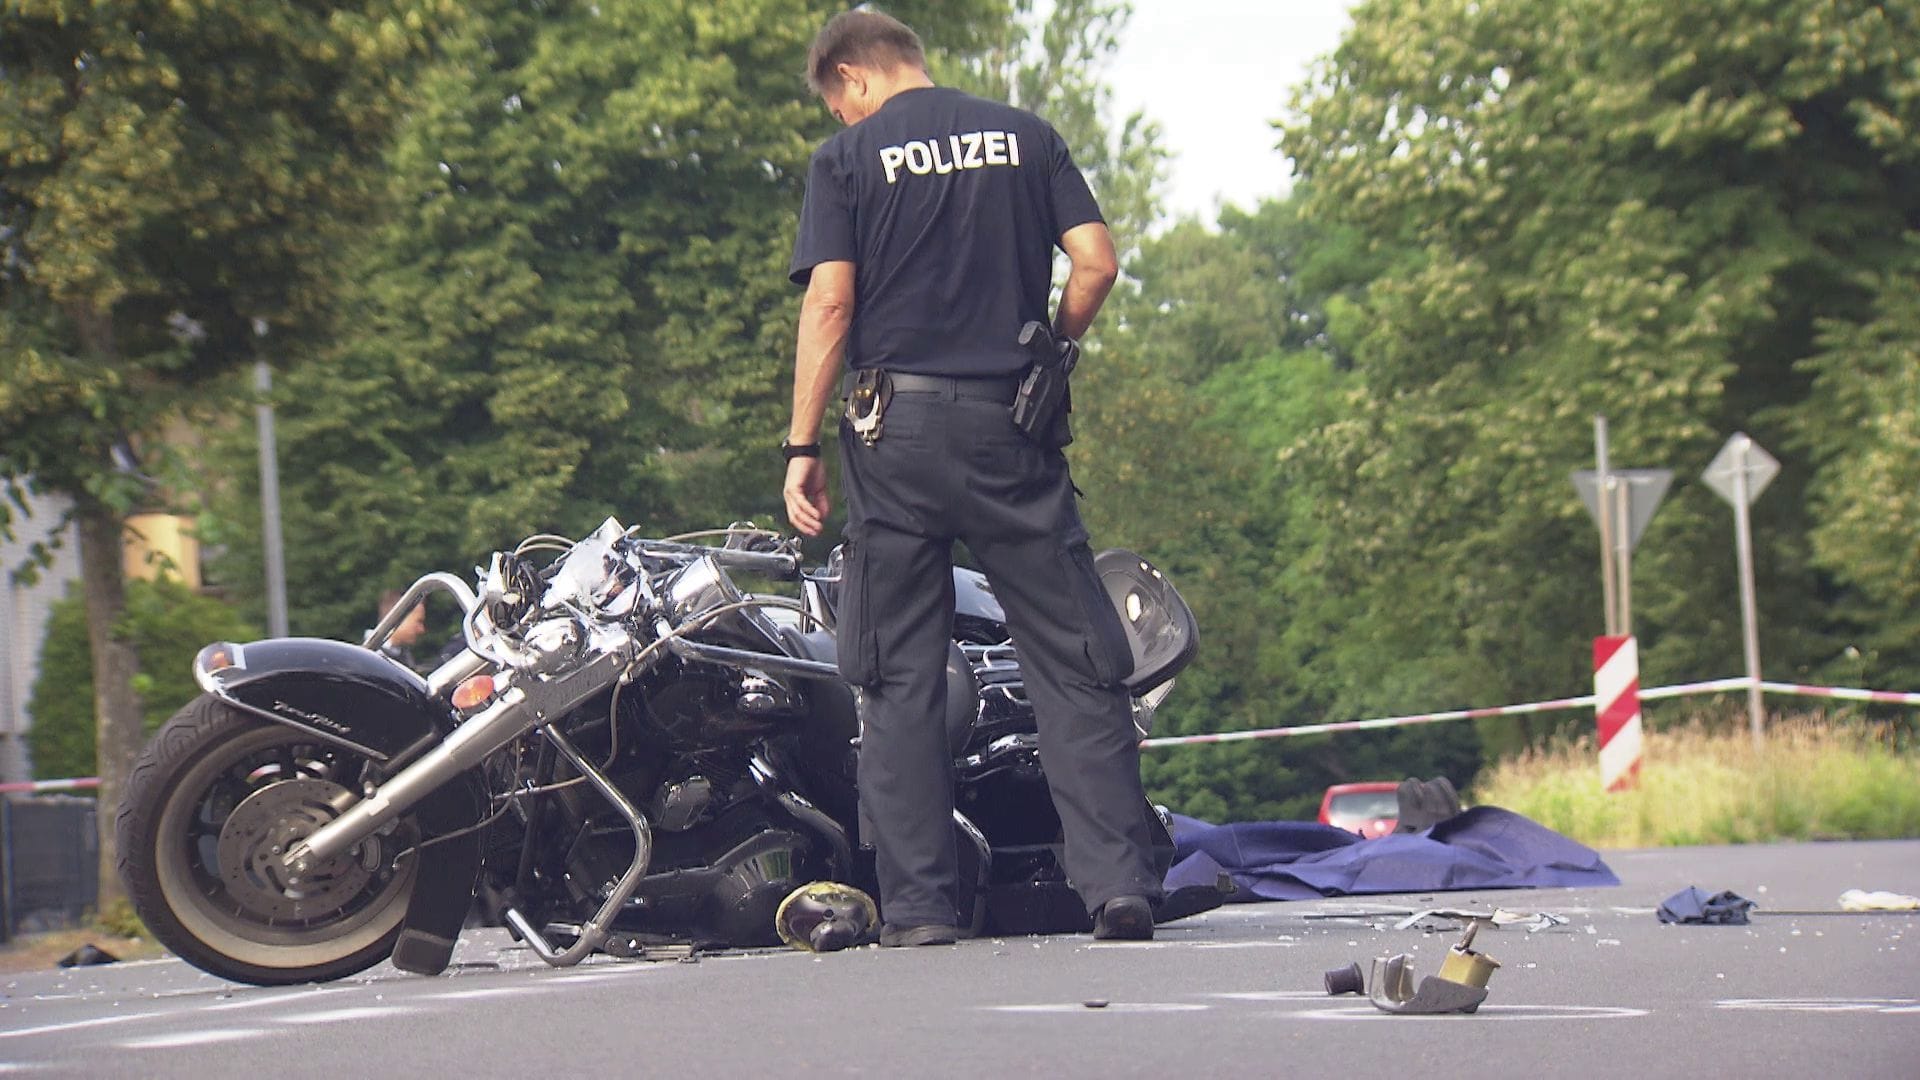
[[806, 495]]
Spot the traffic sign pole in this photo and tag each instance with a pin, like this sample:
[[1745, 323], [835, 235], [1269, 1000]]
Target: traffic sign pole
[[1738, 474], [1749, 604], [1603, 479], [1622, 502], [1623, 551]]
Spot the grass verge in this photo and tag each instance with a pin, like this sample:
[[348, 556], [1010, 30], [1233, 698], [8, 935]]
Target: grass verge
[[1816, 778]]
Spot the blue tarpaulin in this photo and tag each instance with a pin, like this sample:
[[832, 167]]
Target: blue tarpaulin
[[1483, 848]]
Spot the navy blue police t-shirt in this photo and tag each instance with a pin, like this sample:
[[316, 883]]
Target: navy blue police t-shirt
[[949, 207]]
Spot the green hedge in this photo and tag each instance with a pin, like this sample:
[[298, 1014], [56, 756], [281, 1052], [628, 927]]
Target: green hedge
[[166, 622]]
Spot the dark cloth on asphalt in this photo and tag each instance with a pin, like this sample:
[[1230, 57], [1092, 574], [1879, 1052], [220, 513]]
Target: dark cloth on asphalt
[[1483, 848], [1692, 905]]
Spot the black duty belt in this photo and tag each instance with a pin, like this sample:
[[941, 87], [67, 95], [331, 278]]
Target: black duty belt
[[1000, 388]]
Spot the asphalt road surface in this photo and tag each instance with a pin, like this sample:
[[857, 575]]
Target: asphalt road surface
[[1612, 992]]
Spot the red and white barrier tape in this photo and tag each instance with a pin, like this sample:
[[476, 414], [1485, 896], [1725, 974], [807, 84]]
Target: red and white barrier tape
[[1710, 686], [1891, 697], [1368, 725], [72, 784]]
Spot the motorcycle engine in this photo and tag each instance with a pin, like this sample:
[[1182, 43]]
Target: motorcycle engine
[[720, 880], [704, 706]]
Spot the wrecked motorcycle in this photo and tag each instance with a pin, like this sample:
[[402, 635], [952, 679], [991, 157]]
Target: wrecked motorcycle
[[631, 750]]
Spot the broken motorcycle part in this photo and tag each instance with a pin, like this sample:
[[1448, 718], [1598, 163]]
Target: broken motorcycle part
[[1345, 980], [1460, 987]]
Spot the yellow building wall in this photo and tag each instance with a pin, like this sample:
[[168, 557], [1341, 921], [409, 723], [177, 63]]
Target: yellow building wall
[[158, 544]]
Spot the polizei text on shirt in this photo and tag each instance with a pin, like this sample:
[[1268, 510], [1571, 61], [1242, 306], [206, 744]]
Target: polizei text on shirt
[[972, 150]]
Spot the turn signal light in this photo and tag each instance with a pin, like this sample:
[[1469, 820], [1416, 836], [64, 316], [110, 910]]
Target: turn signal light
[[218, 656], [473, 693]]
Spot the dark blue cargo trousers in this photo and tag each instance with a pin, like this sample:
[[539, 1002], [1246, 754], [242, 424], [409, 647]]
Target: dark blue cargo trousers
[[950, 465]]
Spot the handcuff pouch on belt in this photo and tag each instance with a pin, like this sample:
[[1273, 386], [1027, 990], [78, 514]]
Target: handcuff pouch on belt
[[1040, 408], [867, 403]]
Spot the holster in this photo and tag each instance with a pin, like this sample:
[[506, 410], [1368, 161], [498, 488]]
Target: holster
[[1045, 398], [867, 399]]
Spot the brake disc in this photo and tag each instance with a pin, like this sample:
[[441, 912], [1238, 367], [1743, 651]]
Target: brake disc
[[259, 832]]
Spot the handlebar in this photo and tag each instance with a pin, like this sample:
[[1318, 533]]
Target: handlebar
[[489, 641], [784, 565], [412, 598]]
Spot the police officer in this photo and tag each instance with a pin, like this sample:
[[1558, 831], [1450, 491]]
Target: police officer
[[925, 244]]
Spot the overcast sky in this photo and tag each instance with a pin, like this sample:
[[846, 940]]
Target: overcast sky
[[1213, 73]]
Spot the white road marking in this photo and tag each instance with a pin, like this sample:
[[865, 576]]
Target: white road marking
[[1486, 1012], [476, 995], [587, 977], [1274, 995], [357, 1012], [273, 999], [122, 1018], [79, 1025], [1113, 1007], [191, 1038], [1821, 1005]]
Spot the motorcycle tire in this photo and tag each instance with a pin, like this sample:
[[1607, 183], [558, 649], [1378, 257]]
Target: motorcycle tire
[[209, 804]]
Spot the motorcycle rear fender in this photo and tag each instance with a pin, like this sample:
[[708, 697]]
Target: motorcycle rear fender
[[360, 699], [342, 693]]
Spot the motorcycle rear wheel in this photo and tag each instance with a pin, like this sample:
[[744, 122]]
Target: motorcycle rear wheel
[[212, 801]]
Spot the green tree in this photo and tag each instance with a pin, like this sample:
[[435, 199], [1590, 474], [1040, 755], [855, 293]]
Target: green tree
[[1051, 63], [1654, 212], [1229, 327], [165, 623], [173, 179], [578, 304], [1861, 424]]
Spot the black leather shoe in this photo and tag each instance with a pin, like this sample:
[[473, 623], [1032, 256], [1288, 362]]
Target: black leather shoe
[[1124, 918], [894, 937]]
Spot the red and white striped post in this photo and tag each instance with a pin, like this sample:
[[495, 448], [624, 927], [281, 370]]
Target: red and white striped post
[[1616, 708]]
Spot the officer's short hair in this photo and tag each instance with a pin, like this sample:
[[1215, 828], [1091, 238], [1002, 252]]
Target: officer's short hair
[[861, 37]]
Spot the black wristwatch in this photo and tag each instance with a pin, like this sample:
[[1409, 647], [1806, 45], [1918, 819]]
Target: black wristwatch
[[790, 450]]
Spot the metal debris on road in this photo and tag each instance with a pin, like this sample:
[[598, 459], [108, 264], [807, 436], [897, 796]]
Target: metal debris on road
[[1500, 918], [1460, 987]]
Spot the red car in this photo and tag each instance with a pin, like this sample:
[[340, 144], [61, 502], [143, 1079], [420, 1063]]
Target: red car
[[1370, 809]]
